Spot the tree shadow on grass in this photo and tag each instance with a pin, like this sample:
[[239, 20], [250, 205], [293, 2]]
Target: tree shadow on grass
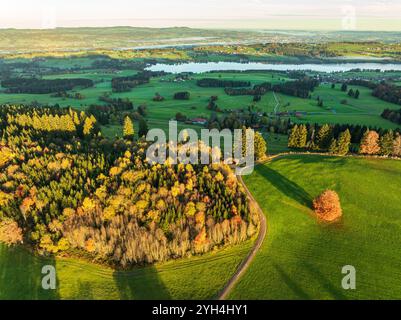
[[285, 186], [335, 291], [85, 290], [21, 275], [296, 289], [141, 284]]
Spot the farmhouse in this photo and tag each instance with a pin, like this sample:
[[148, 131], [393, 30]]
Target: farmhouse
[[201, 121]]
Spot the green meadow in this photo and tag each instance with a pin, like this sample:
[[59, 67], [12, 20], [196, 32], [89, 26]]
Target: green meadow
[[302, 258], [198, 277], [363, 111]]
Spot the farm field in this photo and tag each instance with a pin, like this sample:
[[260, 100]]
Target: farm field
[[363, 111], [199, 277], [302, 258]]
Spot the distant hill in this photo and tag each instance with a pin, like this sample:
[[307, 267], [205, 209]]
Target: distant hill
[[73, 39]]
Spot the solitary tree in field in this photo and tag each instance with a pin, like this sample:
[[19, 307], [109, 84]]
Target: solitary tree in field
[[327, 206], [260, 146], [370, 143], [344, 87], [344, 141], [351, 93], [357, 94], [386, 143], [397, 146], [128, 131]]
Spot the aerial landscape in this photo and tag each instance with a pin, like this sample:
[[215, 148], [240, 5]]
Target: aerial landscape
[[294, 194]]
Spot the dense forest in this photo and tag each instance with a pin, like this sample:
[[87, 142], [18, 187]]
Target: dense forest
[[125, 84], [299, 88], [217, 83], [392, 115], [66, 189], [387, 92], [42, 86], [257, 90]]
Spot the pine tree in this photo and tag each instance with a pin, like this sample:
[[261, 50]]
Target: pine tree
[[333, 149], [88, 126], [143, 127], [324, 137], [260, 146], [386, 143], [344, 141], [351, 93], [302, 137], [397, 146], [370, 143], [128, 131], [357, 94], [344, 87], [292, 139]]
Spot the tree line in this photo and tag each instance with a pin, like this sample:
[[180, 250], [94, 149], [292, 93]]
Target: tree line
[[326, 139], [218, 83], [43, 86], [392, 115]]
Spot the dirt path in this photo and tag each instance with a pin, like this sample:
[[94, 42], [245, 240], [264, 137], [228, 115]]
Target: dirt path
[[258, 243], [263, 225]]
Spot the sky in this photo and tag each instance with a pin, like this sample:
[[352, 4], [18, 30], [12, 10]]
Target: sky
[[235, 14]]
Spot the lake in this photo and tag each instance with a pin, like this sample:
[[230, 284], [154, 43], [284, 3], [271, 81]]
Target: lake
[[237, 66]]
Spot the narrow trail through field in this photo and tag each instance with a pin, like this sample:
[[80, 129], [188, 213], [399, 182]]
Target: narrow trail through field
[[258, 243], [277, 106]]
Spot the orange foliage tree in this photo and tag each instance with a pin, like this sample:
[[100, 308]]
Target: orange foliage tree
[[370, 143], [327, 206], [10, 233]]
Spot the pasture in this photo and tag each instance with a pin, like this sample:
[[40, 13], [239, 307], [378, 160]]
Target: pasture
[[301, 257], [198, 277]]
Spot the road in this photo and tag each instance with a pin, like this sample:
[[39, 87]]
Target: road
[[258, 243]]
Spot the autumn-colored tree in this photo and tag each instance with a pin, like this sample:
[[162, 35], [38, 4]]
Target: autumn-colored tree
[[327, 206], [344, 141], [386, 143], [260, 146], [302, 136], [397, 146], [128, 131], [88, 126], [292, 139], [298, 137], [333, 149], [10, 232], [324, 136], [370, 143]]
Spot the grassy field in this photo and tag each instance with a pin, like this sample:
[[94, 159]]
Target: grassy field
[[191, 278], [364, 111], [302, 258]]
